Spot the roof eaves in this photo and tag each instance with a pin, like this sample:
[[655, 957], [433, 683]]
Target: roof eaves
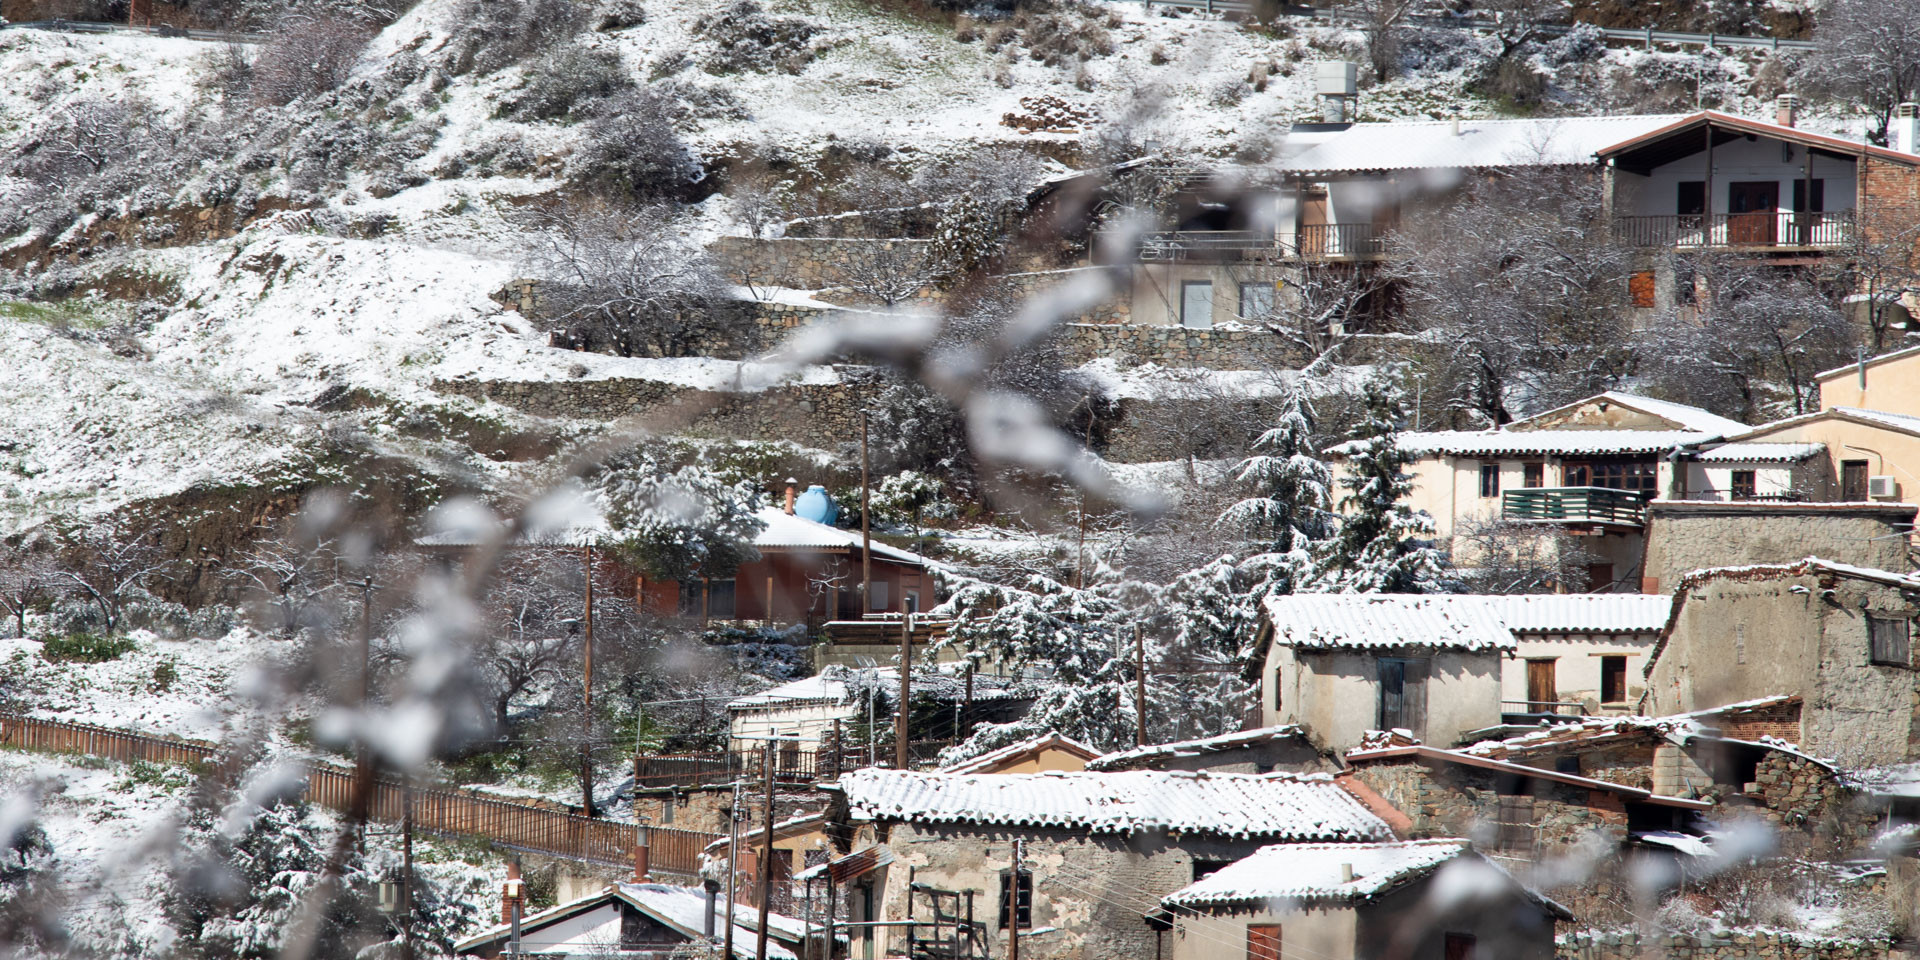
[[1486, 763]]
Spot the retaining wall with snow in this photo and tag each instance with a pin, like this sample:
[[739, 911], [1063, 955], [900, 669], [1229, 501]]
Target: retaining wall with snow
[[1746, 945]]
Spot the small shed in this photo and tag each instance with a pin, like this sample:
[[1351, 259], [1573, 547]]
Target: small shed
[[642, 921]]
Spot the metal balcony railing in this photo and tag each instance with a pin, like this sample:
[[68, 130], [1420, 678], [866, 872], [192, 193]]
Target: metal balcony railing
[[1209, 245], [1333, 241], [1575, 505], [1788, 230]]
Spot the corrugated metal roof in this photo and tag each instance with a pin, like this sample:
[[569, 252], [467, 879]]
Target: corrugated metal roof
[[786, 531], [1582, 612], [1760, 451], [1316, 872], [1282, 806], [1369, 621], [1432, 144]]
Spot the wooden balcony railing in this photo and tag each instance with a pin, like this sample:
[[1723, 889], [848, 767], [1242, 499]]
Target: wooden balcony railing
[[1334, 241], [1788, 230], [1575, 505]]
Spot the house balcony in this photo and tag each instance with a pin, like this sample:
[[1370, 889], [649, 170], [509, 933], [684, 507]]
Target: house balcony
[[1739, 231], [1341, 241], [1576, 506]]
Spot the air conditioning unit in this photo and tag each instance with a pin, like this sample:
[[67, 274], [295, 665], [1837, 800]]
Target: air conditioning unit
[[1882, 487]]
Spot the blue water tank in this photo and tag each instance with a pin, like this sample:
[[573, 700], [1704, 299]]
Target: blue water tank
[[815, 505]]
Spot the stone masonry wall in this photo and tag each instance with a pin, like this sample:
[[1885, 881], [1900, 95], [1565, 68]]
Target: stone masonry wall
[[1753, 945], [1452, 801]]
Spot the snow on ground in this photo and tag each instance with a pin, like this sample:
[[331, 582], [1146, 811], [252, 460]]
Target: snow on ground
[[175, 688]]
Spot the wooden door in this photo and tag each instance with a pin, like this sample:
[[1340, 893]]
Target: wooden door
[[1314, 227], [1541, 690], [1853, 481], [1752, 206], [1263, 941]]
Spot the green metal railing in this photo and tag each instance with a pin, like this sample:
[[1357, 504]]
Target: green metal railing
[[1575, 505]]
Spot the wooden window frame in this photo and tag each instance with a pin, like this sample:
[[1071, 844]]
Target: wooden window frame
[[1024, 905], [1489, 481], [1608, 665], [1263, 941], [1743, 484], [1895, 647]]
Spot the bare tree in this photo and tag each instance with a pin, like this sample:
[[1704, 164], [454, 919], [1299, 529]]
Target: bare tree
[[1497, 555], [532, 634], [1868, 52], [625, 280], [108, 567], [27, 576], [1517, 24], [1382, 21], [308, 53], [83, 138], [888, 272], [292, 580], [1881, 267]]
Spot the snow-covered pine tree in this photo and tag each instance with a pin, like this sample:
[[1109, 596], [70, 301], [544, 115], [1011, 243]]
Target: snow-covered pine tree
[[1383, 545], [1291, 488], [670, 523]]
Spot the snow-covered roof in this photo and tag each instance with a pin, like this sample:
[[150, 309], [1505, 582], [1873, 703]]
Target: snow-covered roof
[[1433, 144], [836, 683], [1481, 443], [1371, 621], [1127, 759], [1680, 415], [1468, 758], [786, 531], [830, 685], [1878, 418], [1854, 366], [1581, 612], [1282, 806], [682, 909], [1761, 451], [985, 762], [1316, 872]]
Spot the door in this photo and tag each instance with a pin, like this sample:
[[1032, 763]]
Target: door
[[1853, 481], [1541, 691], [1263, 941], [1196, 304], [1807, 212], [1314, 228], [1403, 696], [1752, 206]]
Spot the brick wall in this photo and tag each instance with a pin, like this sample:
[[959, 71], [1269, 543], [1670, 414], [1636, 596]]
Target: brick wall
[[1889, 198]]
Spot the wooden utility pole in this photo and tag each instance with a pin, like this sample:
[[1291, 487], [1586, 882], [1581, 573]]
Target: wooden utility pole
[[406, 869], [733, 864], [765, 865], [866, 529], [1140, 686], [906, 691], [1013, 906], [586, 690], [363, 761]]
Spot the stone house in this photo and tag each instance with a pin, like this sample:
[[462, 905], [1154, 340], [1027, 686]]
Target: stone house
[[1587, 468], [1836, 636], [1688, 535], [1286, 747], [1097, 851], [1343, 665], [1358, 901]]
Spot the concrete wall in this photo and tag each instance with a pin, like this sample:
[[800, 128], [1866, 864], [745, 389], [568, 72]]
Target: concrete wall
[[1155, 296], [1309, 933], [1714, 481], [1335, 695], [1577, 659], [1739, 639], [1093, 889], [1683, 536]]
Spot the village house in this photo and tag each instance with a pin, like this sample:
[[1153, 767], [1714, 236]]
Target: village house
[[819, 721], [1096, 851], [1837, 636], [1688, 535], [1046, 753], [1587, 468], [1576, 654], [633, 921], [1286, 748], [1359, 901]]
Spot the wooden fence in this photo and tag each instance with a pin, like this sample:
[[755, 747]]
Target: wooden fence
[[436, 808]]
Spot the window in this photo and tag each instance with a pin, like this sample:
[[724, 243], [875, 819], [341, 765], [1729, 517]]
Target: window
[[1263, 941], [1489, 480], [1889, 639], [1403, 695], [1640, 288], [707, 598], [1513, 823], [1599, 578], [877, 599], [1256, 300], [1613, 679], [1533, 476], [1742, 485], [1196, 304], [1278, 675], [1642, 476], [1459, 946], [1691, 201], [1026, 898]]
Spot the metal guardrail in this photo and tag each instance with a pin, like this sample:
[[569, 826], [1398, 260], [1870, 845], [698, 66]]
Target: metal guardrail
[[445, 810], [1576, 708], [1740, 230], [1646, 36], [1575, 505], [88, 26]]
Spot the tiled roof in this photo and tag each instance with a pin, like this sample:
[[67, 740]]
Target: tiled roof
[[1281, 806], [787, 531], [1599, 731], [1690, 417], [1761, 451], [1316, 872], [1432, 144], [1127, 759], [1483, 443], [1581, 612], [1368, 621]]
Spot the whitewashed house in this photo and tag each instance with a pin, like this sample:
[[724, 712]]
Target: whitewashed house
[[1360, 901], [1577, 653]]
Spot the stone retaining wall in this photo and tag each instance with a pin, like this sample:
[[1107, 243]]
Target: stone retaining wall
[[1756, 945]]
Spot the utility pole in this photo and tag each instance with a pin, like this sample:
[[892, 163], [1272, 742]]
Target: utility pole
[[765, 866], [733, 864], [1140, 686], [586, 690], [866, 530], [363, 763], [1013, 906], [406, 869], [906, 691]]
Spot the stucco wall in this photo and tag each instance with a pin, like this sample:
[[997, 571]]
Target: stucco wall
[[1738, 640], [1891, 385], [1156, 289], [1400, 924], [1323, 933], [1577, 659], [1887, 452], [1335, 695], [1685, 536]]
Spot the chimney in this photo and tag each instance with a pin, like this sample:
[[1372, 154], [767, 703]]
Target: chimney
[[1905, 135], [1346, 873], [790, 484], [1786, 108], [642, 840], [512, 895]]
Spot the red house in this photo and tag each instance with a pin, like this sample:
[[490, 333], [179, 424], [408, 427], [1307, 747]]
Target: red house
[[807, 570]]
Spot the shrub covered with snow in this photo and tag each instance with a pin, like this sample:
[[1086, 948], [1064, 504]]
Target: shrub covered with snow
[[747, 38], [566, 80]]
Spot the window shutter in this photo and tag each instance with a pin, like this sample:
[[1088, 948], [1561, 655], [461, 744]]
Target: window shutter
[[1640, 288], [1413, 712]]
